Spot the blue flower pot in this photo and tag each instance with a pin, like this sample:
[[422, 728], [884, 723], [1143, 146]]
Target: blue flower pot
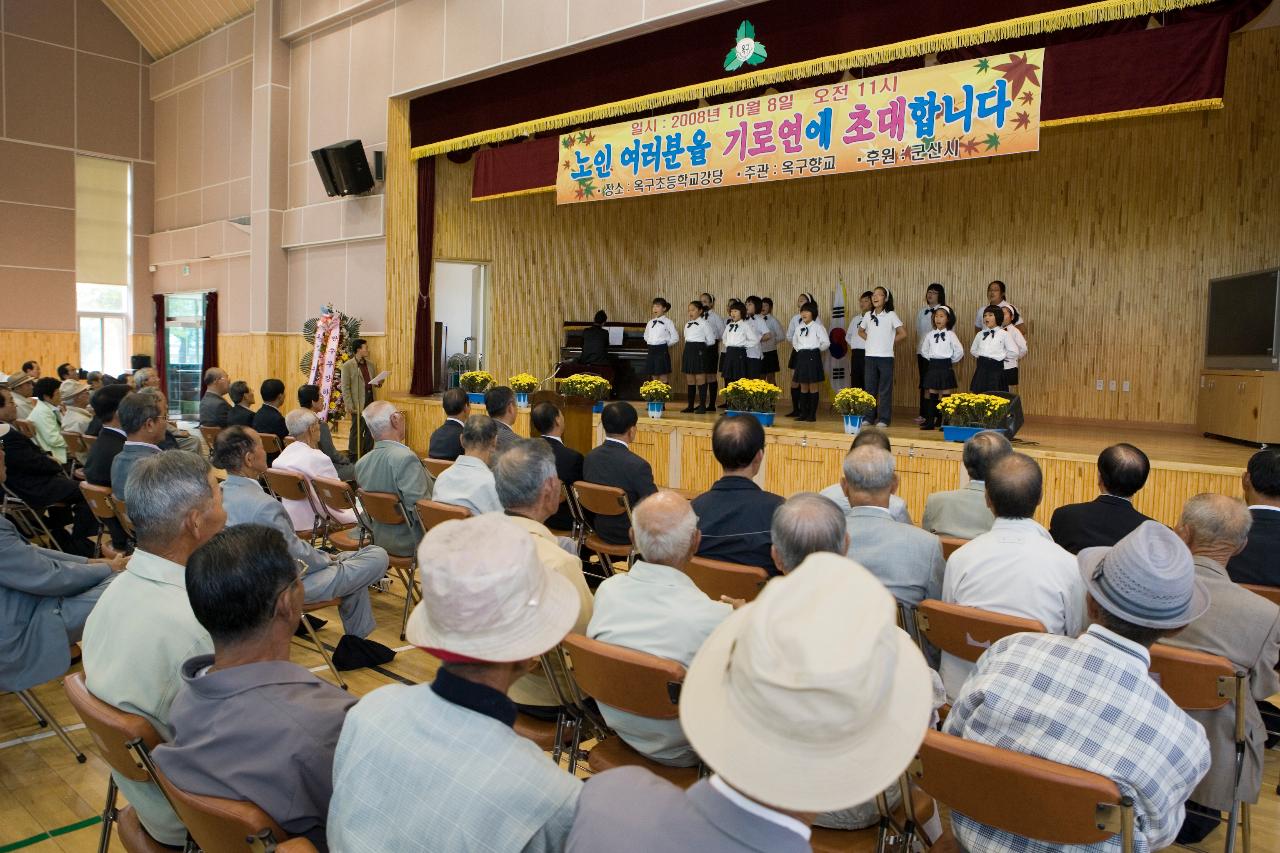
[[852, 423], [656, 408], [765, 418], [522, 399], [598, 407], [964, 433], [473, 397]]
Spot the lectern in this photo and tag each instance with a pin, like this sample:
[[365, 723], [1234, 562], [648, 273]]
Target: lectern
[[577, 418]]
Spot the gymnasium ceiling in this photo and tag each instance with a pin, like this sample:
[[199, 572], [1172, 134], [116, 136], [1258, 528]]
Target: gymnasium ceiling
[[163, 26]]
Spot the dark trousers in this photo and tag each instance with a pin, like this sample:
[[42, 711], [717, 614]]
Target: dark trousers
[[879, 375], [360, 441], [858, 368]]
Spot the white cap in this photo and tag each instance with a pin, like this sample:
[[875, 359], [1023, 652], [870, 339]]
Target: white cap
[[72, 387]]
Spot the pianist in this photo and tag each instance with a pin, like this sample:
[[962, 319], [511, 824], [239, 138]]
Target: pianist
[[595, 341]]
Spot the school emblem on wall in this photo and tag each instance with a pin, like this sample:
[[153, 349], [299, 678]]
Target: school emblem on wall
[[747, 51]]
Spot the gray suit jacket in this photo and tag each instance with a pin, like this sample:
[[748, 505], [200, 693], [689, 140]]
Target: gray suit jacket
[[906, 559], [630, 810], [1244, 628], [246, 503], [392, 467], [213, 410], [962, 513], [123, 464], [33, 581], [506, 436]]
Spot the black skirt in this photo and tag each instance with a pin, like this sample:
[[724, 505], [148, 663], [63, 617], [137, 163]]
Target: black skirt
[[922, 365], [769, 364], [988, 377], [711, 358], [809, 366], [733, 366], [754, 368], [1010, 377], [791, 361], [694, 358], [658, 360], [939, 375]]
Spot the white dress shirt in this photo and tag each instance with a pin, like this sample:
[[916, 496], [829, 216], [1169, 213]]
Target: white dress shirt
[[761, 811], [717, 323], [924, 320], [1019, 344], [792, 325], [468, 482], [1018, 570], [761, 328], [881, 332], [302, 459], [699, 332], [741, 333], [661, 332], [993, 343], [855, 340], [1003, 303], [810, 336], [774, 328], [76, 419], [942, 344]]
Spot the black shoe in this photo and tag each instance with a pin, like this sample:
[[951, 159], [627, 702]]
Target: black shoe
[[688, 409], [700, 410], [316, 624], [1199, 822], [356, 652]]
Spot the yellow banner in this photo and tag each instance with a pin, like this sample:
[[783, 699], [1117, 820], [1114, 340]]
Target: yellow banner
[[960, 111]]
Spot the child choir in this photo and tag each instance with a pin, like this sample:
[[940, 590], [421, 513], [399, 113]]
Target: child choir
[[743, 344]]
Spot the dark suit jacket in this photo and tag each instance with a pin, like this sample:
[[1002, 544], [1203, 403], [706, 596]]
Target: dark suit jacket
[[34, 475], [240, 416], [735, 517], [97, 468], [446, 441], [595, 345], [569, 470], [1103, 521], [1259, 562], [613, 464], [213, 410], [268, 419]]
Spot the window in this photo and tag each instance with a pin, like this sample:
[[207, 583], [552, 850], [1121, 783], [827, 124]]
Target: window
[[103, 326], [184, 352], [104, 261]]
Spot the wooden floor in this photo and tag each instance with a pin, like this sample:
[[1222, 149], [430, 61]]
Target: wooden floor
[[48, 802]]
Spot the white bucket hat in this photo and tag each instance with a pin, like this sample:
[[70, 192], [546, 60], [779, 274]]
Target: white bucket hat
[[1147, 578], [71, 387], [810, 698], [485, 596]]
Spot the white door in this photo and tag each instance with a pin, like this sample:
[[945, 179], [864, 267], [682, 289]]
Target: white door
[[460, 305]]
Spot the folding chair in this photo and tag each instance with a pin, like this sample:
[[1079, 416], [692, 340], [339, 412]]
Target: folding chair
[[950, 544], [384, 508], [578, 524], [607, 501], [103, 507], [210, 435], [288, 440], [76, 446], [631, 681], [338, 496], [33, 704], [315, 638], [1198, 681], [27, 519], [89, 441], [118, 736], [436, 467], [122, 516], [1021, 794], [292, 486], [215, 824], [967, 632], [25, 427], [718, 577], [270, 442], [1270, 593]]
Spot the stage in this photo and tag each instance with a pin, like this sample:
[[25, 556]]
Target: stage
[[807, 457]]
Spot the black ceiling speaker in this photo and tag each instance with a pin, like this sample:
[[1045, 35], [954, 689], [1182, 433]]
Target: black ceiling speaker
[[344, 170]]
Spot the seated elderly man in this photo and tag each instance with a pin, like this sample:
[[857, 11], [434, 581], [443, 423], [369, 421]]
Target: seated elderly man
[[20, 384], [248, 724], [468, 482], [806, 524], [1090, 702], [76, 415], [47, 419], [145, 377], [310, 399], [143, 629], [438, 765], [345, 576], [656, 608], [876, 437], [613, 463], [1257, 563], [795, 661], [964, 513], [45, 598], [1016, 568], [142, 420], [111, 437], [214, 409], [906, 559], [1242, 627], [530, 492], [394, 468], [500, 404], [305, 457], [735, 514], [446, 441], [1105, 520], [242, 396]]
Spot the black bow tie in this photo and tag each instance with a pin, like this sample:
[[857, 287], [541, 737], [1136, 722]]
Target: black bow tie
[[988, 333], [733, 327], [691, 324], [654, 323], [939, 336], [804, 330], [875, 319]]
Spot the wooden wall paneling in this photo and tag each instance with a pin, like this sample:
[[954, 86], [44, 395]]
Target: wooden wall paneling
[[653, 444], [257, 356], [402, 244], [803, 465], [698, 466], [921, 473], [1168, 489], [1107, 238], [48, 348]]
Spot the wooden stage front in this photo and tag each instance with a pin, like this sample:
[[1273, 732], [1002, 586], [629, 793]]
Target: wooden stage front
[[807, 457]]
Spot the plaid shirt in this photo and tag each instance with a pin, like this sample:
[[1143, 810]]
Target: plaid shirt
[[1089, 703]]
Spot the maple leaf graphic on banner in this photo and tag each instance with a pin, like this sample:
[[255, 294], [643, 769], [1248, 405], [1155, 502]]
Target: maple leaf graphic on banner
[[969, 146], [567, 165], [1022, 121], [1028, 97], [567, 142], [584, 140], [983, 66], [1019, 71], [579, 193], [992, 141], [589, 140]]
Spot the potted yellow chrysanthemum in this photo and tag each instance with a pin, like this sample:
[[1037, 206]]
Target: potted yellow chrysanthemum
[[523, 384], [475, 383], [964, 415], [854, 404], [588, 385], [656, 394], [751, 397]]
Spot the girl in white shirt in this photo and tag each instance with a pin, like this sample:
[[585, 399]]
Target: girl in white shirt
[[805, 299], [769, 341], [991, 347], [739, 337], [698, 338], [1019, 343], [809, 342], [881, 329], [660, 335], [712, 365], [934, 295], [941, 350], [857, 346], [995, 296], [755, 319]]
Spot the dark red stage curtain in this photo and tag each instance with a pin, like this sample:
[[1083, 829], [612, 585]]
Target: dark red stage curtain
[[423, 381], [161, 359], [210, 358], [512, 169], [691, 53]]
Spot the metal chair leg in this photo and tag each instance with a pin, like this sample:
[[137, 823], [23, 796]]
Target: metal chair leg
[[109, 815], [42, 711], [21, 694], [410, 596], [324, 653], [1246, 826]]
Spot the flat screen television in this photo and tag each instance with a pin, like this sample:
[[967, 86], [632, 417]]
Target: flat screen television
[[1243, 330]]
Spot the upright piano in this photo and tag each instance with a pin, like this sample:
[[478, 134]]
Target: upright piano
[[625, 366]]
